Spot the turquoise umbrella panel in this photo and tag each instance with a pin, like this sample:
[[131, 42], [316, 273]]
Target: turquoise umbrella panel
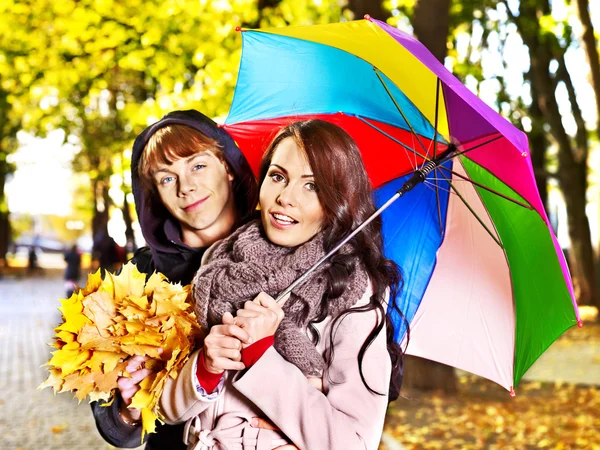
[[286, 76]]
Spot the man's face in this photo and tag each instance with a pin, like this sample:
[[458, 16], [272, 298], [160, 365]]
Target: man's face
[[197, 191]]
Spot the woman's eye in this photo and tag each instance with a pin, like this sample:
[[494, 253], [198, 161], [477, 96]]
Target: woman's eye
[[199, 167], [166, 180], [276, 177], [311, 187]]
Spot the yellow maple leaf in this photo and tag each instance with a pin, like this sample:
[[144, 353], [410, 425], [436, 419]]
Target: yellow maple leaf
[[97, 396], [155, 280], [129, 282], [101, 309], [103, 361], [71, 310], [94, 281], [66, 336], [148, 422], [141, 399], [68, 361], [108, 284], [54, 380]]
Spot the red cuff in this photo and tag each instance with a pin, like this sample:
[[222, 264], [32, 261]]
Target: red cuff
[[253, 352], [207, 380]]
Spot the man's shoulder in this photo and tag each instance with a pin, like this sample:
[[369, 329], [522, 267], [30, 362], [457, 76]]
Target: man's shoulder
[[143, 259]]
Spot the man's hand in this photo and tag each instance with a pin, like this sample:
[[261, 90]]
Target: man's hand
[[129, 386], [261, 317], [258, 422], [223, 346]]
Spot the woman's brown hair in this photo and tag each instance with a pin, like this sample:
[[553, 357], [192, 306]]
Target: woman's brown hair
[[346, 196]]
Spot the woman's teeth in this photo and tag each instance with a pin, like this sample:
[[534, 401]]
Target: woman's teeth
[[284, 219]]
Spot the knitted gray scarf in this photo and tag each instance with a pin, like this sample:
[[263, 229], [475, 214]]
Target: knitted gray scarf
[[247, 263]]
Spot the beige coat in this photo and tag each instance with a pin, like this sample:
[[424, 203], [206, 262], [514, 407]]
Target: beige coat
[[344, 416]]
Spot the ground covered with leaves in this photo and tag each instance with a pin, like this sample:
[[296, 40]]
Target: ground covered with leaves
[[552, 415]]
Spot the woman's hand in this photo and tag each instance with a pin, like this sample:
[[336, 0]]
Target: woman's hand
[[129, 386], [261, 317], [223, 346]]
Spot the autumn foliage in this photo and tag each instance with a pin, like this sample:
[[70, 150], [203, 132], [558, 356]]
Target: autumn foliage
[[112, 319]]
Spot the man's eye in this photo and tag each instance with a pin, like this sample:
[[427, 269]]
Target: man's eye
[[199, 167], [166, 180]]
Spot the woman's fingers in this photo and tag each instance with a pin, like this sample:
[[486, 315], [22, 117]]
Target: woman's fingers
[[221, 364], [267, 302], [245, 313], [232, 331], [215, 353]]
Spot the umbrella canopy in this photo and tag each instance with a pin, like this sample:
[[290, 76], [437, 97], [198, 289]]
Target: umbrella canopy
[[486, 287]]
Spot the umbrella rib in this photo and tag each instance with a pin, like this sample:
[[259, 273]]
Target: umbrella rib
[[476, 147], [392, 138], [487, 188], [472, 211], [399, 109], [437, 188]]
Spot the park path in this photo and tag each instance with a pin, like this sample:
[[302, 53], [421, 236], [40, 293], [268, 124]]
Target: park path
[[32, 419], [38, 420]]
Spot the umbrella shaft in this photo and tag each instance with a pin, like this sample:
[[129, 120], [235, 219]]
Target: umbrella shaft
[[339, 245], [417, 177]]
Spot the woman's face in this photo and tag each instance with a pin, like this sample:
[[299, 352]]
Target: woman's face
[[290, 209]]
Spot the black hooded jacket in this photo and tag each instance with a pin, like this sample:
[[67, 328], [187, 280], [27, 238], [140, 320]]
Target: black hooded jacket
[[166, 253]]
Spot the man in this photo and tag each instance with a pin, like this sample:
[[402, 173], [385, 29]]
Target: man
[[192, 186]]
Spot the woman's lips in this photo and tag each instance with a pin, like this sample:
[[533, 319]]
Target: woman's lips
[[194, 205], [279, 224]]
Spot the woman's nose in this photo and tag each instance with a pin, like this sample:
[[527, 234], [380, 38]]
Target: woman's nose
[[287, 196]]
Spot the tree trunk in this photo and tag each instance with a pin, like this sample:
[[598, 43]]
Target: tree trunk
[[374, 8], [591, 49], [101, 208], [538, 145], [572, 174], [4, 220], [130, 247], [426, 375], [431, 24]]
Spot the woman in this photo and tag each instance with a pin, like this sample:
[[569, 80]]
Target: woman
[[314, 189]]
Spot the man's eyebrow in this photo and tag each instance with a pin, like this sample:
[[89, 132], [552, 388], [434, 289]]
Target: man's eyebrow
[[193, 157], [286, 172], [161, 170]]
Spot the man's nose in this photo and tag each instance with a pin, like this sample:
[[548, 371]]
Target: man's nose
[[186, 186]]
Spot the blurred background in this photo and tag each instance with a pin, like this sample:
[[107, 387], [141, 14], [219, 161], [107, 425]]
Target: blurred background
[[79, 79]]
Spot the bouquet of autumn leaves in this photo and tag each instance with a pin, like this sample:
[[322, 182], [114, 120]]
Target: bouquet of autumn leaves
[[117, 317]]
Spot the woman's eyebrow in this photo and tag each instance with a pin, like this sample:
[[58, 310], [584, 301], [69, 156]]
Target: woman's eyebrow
[[285, 171], [279, 167]]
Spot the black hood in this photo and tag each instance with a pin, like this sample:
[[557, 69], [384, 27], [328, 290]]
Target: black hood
[[160, 229]]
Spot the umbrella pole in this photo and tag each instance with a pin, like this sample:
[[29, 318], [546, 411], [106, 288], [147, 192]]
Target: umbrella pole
[[418, 177]]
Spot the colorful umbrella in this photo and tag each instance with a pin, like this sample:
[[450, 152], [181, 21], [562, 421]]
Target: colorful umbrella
[[486, 287]]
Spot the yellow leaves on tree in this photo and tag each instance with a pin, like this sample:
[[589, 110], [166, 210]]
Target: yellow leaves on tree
[[112, 319]]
